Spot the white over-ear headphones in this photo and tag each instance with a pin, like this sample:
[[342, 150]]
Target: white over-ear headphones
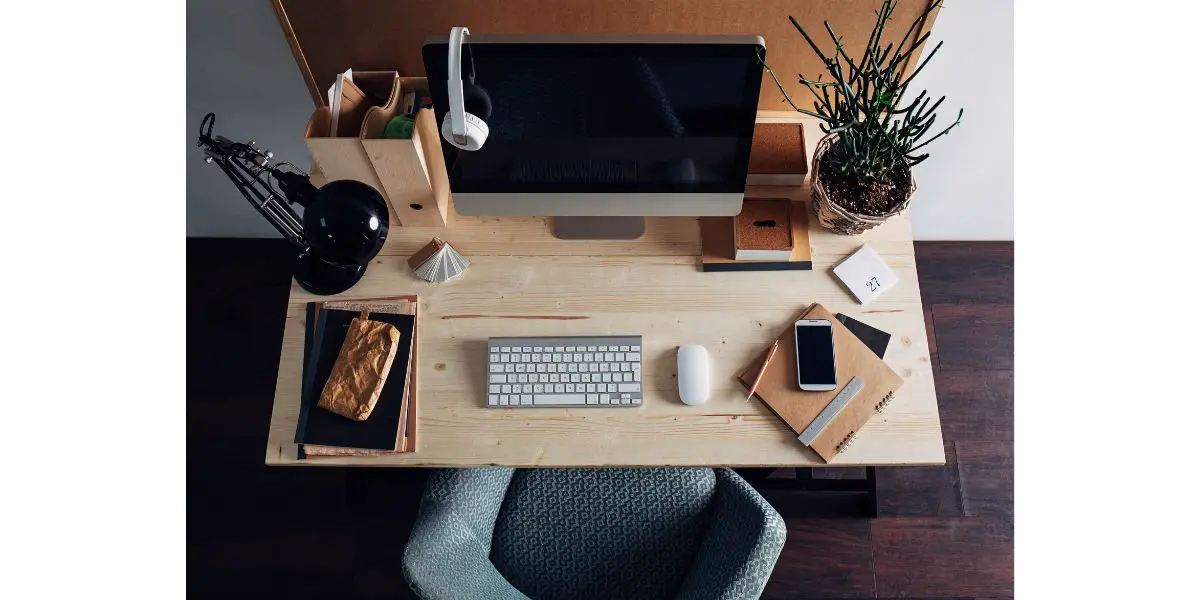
[[461, 128]]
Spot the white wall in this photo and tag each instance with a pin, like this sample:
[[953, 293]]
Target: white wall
[[965, 188], [240, 67]]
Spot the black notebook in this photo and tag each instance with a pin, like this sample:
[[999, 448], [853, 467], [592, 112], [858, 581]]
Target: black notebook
[[321, 347], [875, 339]]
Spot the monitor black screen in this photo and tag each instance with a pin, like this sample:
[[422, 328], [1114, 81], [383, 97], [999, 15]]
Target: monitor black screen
[[605, 117]]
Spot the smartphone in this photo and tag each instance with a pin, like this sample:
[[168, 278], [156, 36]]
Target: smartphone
[[815, 368]]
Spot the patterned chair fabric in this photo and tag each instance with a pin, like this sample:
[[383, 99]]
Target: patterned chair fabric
[[592, 533]]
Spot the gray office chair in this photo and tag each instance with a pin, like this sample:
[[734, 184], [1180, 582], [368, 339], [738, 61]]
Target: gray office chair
[[591, 533]]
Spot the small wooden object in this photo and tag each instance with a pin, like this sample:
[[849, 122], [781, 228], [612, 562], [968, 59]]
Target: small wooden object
[[717, 249], [763, 230], [778, 155]]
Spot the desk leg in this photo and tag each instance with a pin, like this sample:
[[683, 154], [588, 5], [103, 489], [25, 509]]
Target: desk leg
[[806, 496]]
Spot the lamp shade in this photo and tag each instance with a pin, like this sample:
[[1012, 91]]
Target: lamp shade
[[346, 223]]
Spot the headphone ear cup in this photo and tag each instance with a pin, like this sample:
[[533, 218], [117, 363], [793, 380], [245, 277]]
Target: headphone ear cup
[[477, 101], [476, 135]]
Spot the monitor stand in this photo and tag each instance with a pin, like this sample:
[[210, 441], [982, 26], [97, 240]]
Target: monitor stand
[[599, 228]]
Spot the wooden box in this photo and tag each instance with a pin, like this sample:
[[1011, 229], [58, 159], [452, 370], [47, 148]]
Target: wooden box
[[763, 230], [412, 171]]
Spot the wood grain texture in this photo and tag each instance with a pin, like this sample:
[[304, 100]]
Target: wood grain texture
[[987, 477], [824, 558], [974, 336], [931, 335], [966, 272], [522, 281], [387, 35], [964, 557], [920, 491], [976, 405]]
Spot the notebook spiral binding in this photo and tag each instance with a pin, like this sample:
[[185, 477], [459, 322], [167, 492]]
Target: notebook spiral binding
[[847, 441], [885, 402]]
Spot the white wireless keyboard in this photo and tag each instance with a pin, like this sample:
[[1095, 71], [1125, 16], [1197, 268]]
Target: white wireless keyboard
[[534, 372]]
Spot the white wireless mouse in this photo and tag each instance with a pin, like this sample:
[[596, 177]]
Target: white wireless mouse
[[693, 374]]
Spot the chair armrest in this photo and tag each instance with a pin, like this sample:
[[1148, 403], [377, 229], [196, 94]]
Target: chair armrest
[[740, 547], [447, 552]]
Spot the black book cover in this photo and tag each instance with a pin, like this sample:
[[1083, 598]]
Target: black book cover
[[875, 339], [323, 428]]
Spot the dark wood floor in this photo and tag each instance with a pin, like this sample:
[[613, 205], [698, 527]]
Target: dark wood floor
[[944, 532]]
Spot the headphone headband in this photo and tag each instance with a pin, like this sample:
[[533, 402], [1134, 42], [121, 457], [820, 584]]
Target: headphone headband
[[454, 85]]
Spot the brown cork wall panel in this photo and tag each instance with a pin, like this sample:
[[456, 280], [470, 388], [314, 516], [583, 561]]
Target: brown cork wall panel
[[329, 36]]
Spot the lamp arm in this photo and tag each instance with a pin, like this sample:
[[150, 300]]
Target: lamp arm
[[249, 169]]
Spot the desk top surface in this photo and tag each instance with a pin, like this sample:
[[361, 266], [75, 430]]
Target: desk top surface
[[524, 282]]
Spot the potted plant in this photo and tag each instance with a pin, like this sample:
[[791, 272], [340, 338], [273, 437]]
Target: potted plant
[[862, 168]]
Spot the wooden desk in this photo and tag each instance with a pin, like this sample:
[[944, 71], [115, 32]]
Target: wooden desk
[[524, 282]]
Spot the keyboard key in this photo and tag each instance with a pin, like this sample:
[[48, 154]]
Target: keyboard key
[[603, 398], [527, 388], [580, 358], [496, 368], [624, 348], [559, 388], [504, 399], [547, 358], [497, 378], [570, 388], [593, 367], [591, 348], [637, 371], [574, 377], [520, 367], [609, 356], [607, 377], [524, 358], [554, 378], [626, 367], [539, 388], [557, 358], [494, 358], [603, 367], [570, 348], [614, 367], [537, 348], [559, 399], [506, 389], [493, 389], [572, 368], [543, 378], [635, 348], [504, 358], [604, 348], [526, 398], [619, 357], [494, 400], [562, 368], [591, 387], [629, 387], [625, 399], [612, 387], [541, 367], [505, 349], [586, 377], [593, 399], [522, 378], [510, 368], [633, 357], [559, 349], [588, 357]]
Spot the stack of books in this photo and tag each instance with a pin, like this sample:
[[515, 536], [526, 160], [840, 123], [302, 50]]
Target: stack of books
[[391, 428]]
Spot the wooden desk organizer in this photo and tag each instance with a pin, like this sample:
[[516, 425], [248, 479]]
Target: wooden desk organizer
[[410, 174]]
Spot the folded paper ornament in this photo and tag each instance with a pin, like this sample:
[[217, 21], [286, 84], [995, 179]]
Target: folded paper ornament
[[438, 261]]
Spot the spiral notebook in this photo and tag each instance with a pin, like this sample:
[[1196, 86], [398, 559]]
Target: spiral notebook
[[780, 390]]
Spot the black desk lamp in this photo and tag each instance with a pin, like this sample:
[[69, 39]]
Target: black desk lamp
[[345, 222]]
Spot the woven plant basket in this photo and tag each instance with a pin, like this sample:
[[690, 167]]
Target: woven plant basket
[[837, 219]]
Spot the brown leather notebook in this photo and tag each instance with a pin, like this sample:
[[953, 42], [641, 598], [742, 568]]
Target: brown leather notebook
[[780, 390], [406, 433]]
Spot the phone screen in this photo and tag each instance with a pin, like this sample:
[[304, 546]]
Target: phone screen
[[814, 355]]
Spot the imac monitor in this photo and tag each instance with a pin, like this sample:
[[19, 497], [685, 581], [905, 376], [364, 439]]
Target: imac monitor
[[602, 127]]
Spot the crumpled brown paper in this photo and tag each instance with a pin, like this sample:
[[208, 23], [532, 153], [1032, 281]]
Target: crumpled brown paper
[[361, 369]]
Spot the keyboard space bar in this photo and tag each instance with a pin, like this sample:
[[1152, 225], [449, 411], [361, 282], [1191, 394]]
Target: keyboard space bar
[[559, 399]]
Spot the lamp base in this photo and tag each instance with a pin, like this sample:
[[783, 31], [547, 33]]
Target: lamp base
[[324, 278]]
